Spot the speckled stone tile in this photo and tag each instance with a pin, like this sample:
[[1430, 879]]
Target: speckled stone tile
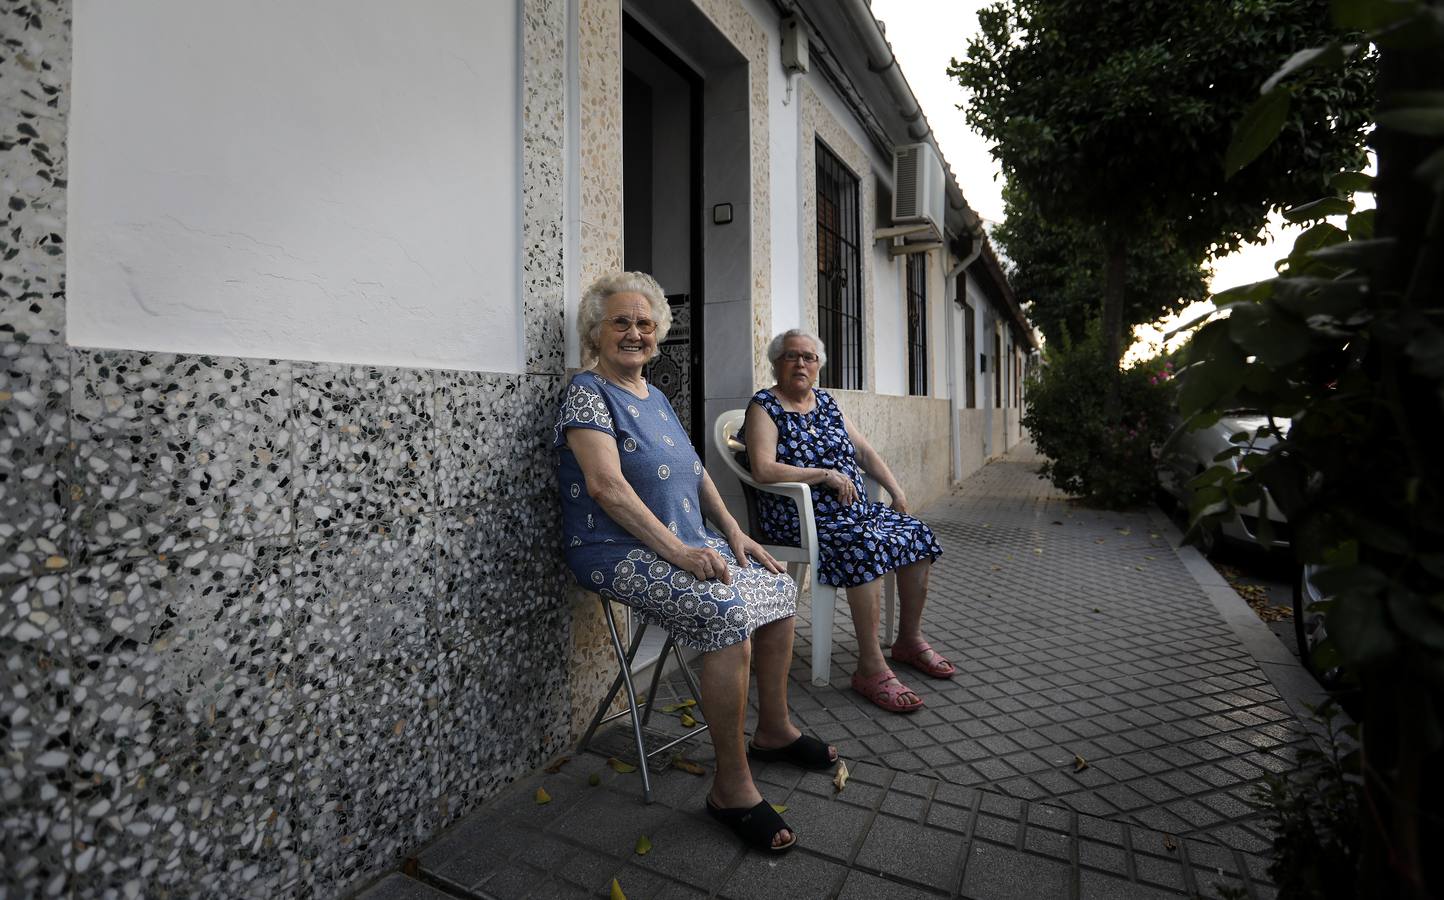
[[176, 453], [34, 459], [373, 780], [35, 56], [35, 735], [486, 435], [364, 445], [363, 604], [544, 24], [32, 226], [178, 651], [471, 575], [212, 818]]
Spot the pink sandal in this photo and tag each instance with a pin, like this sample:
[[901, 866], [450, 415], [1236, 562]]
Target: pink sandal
[[916, 655], [886, 691]]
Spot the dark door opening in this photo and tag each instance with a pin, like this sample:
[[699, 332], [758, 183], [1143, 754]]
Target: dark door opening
[[661, 207]]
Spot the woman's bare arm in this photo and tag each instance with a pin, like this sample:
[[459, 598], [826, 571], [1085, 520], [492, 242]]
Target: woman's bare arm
[[872, 463], [762, 454], [596, 453], [743, 547]]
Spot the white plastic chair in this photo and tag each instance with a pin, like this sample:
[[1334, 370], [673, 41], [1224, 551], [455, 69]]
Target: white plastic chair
[[806, 553]]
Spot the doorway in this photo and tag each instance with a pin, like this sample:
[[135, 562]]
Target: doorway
[[661, 203]]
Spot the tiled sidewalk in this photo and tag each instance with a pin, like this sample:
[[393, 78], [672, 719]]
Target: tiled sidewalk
[[1077, 633]]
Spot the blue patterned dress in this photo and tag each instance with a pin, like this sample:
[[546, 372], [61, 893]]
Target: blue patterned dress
[[858, 543], [659, 463]]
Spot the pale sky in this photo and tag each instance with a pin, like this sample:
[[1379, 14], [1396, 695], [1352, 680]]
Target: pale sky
[[925, 35]]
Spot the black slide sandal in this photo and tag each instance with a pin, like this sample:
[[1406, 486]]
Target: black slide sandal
[[755, 827], [807, 752]]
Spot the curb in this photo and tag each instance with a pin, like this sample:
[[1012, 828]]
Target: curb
[[1288, 676]]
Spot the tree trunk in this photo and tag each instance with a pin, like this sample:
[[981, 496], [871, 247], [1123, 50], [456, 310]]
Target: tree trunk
[[1114, 273], [1396, 859]]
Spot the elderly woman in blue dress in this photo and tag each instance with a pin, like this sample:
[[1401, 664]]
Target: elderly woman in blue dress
[[634, 494], [796, 432]]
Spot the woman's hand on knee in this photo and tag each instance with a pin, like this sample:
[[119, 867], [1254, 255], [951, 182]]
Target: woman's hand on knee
[[747, 551], [703, 562]]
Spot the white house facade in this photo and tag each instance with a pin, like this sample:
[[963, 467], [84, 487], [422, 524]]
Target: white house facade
[[288, 303]]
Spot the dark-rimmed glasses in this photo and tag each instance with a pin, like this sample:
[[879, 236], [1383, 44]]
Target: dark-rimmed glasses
[[805, 356]]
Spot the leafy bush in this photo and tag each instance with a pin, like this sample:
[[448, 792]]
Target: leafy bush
[[1314, 815], [1110, 465]]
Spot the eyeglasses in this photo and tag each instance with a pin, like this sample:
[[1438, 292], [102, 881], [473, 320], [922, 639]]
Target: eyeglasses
[[622, 325], [794, 356]]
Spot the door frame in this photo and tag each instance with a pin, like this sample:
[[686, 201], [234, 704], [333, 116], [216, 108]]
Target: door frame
[[634, 29]]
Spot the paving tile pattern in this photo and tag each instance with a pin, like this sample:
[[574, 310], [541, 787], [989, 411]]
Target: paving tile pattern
[[1077, 633]]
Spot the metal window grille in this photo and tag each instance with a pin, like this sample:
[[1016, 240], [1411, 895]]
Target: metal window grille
[[917, 323], [970, 336], [839, 275]]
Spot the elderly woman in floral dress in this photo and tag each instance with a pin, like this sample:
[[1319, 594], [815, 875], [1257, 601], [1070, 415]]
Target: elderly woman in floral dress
[[634, 494], [796, 432]]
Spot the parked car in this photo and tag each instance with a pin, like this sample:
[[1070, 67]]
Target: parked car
[[1188, 454]]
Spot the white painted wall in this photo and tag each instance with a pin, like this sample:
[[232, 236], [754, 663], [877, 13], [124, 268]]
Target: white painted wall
[[890, 319], [331, 180]]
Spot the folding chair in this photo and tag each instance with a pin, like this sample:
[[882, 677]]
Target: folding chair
[[624, 679]]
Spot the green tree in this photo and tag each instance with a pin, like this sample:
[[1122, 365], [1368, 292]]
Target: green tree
[[1113, 116], [1349, 344], [1058, 268]]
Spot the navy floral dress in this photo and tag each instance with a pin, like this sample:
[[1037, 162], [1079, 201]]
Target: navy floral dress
[[659, 463], [860, 542]]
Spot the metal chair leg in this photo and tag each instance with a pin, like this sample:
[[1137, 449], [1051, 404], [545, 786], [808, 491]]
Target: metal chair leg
[[606, 703], [657, 668], [625, 660]]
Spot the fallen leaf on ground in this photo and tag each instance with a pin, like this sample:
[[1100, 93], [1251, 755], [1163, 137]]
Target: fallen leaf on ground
[[620, 767], [1096, 609], [644, 846], [1038, 550], [1079, 763], [617, 891], [778, 808], [557, 766], [1099, 540], [686, 765], [1169, 843], [676, 706], [1056, 522], [1150, 557], [542, 796], [997, 568], [687, 720], [1125, 532], [839, 779], [594, 779]]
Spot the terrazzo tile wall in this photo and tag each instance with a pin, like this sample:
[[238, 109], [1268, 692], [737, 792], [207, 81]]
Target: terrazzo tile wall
[[266, 624]]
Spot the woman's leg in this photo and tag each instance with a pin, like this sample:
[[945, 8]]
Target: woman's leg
[[772, 656], [912, 588], [724, 703], [864, 600]]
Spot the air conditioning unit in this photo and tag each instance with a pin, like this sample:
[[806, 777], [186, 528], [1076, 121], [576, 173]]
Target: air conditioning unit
[[920, 189]]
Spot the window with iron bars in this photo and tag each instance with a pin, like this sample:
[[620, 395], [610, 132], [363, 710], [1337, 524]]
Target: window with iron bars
[[839, 273], [918, 323]]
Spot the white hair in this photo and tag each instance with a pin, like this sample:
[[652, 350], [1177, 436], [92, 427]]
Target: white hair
[[775, 351], [591, 308]]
